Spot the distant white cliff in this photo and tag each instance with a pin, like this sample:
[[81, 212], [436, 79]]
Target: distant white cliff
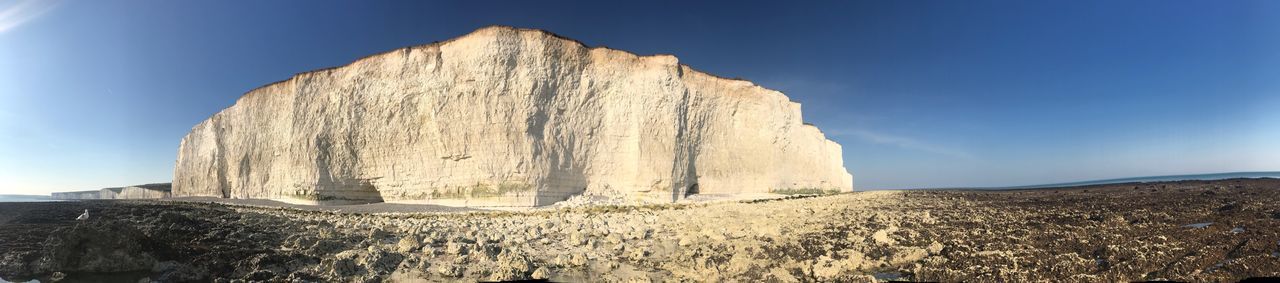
[[506, 117], [146, 191]]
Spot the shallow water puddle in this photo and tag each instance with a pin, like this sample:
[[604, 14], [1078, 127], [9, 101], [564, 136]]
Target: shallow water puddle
[[1198, 225]]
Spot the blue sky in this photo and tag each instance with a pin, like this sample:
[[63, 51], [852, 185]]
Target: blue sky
[[920, 93]]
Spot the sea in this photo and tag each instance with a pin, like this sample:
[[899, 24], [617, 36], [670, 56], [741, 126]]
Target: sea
[[25, 198], [1204, 177]]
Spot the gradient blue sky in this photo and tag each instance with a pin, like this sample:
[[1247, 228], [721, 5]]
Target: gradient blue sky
[[920, 93]]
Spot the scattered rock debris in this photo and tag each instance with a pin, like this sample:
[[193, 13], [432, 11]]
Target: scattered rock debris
[[1109, 233]]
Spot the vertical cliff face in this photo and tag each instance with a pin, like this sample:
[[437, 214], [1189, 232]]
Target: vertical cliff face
[[505, 117], [147, 191], [94, 194]]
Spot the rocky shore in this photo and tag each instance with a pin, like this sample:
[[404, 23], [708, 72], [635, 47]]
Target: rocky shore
[[1103, 233]]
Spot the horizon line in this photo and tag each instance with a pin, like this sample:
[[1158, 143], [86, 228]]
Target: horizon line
[[1139, 179]]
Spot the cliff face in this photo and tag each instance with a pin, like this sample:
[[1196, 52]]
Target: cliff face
[[145, 191], [141, 193], [94, 194], [148, 191], [505, 117]]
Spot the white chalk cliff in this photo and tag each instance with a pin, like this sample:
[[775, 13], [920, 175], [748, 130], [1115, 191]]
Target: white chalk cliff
[[506, 117]]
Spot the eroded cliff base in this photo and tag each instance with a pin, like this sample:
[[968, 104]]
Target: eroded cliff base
[[1106, 233]]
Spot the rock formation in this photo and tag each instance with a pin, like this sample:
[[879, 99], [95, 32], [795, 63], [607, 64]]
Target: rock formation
[[145, 191], [148, 191], [94, 194], [506, 117], [109, 193]]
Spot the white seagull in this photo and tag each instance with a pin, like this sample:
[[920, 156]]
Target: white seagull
[[84, 216]]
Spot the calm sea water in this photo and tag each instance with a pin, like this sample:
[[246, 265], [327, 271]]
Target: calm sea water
[[25, 198], [1216, 176]]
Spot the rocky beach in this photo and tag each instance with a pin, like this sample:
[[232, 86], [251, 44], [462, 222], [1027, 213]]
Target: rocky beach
[[641, 141], [1201, 231]]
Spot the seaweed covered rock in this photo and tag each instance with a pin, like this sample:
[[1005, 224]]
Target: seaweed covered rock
[[96, 246]]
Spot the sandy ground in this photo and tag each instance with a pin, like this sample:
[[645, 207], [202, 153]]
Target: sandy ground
[[1104, 233]]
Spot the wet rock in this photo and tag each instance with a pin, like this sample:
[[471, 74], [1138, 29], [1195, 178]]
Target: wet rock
[[1230, 207], [164, 266], [183, 273], [260, 275], [19, 264], [280, 264], [96, 246]]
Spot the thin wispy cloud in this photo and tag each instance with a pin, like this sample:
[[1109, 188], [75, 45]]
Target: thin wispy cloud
[[21, 11], [902, 142]]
